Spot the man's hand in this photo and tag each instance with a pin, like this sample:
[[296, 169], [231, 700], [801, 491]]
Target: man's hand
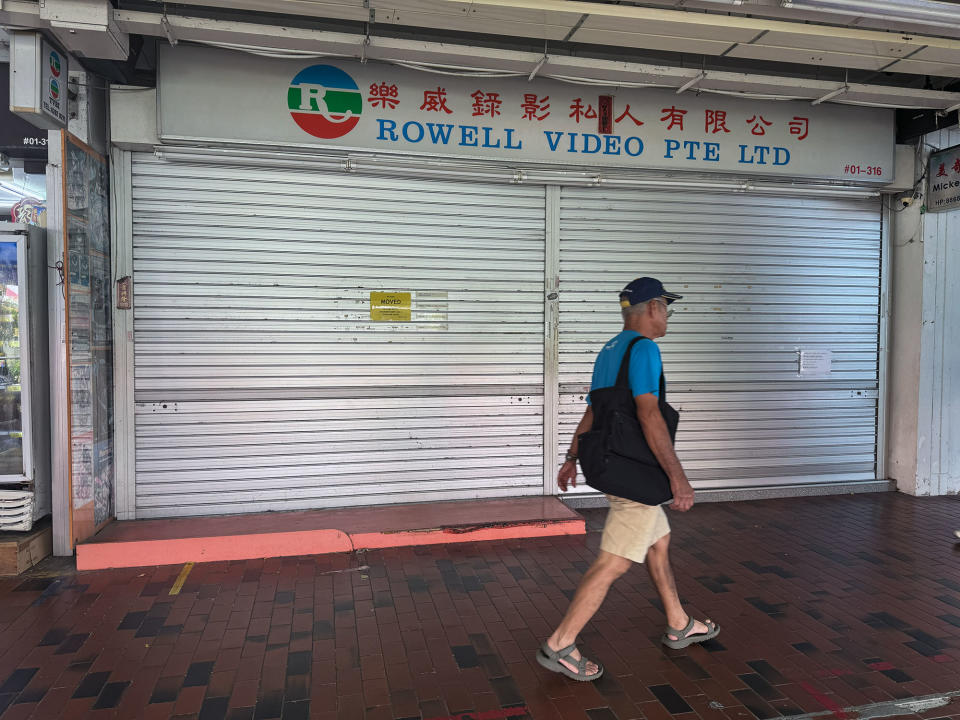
[[658, 438], [567, 475], [682, 496]]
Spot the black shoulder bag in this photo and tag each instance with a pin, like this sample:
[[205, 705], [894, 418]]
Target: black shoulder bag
[[614, 454]]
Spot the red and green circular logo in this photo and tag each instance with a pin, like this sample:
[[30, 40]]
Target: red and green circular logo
[[54, 89], [324, 101], [55, 64]]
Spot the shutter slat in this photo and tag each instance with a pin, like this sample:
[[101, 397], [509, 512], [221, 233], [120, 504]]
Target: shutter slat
[[261, 381], [761, 278]]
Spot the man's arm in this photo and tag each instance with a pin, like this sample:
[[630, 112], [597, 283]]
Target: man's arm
[[658, 438], [568, 471]]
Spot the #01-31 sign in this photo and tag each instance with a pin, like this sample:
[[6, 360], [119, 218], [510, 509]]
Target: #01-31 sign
[[220, 95]]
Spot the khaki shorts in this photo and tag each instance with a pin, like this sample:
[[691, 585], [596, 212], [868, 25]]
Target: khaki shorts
[[632, 528]]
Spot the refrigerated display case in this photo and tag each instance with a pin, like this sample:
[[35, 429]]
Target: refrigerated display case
[[25, 490]]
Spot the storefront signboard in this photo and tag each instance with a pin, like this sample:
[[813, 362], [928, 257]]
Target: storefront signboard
[[39, 74], [944, 180], [222, 96]]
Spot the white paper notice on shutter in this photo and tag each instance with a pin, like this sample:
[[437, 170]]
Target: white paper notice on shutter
[[816, 363]]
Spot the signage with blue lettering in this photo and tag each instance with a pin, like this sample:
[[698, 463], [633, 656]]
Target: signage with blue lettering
[[380, 107]]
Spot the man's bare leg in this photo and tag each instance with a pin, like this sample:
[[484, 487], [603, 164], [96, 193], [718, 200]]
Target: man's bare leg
[[587, 600], [658, 565]]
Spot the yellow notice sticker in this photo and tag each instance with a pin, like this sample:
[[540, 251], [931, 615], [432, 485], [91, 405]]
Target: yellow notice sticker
[[390, 306]]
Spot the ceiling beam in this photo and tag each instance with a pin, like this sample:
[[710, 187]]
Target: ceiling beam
[[277, 39], [715, 34], [558, 18]]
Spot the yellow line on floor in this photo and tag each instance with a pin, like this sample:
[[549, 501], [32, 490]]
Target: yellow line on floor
[[181, 579]]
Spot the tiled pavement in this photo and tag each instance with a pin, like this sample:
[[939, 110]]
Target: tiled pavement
[[824, 603]]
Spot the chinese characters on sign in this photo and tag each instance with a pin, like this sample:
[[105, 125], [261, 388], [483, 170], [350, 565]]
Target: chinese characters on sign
[[383, 95], [942, 168], [674, 116], [605, 114], [944, 180], [535, 108], [578, 111], [397, 109], [715, 121], [532, 107], [626, 114], [800, 126], [435, 101], [759, 125]]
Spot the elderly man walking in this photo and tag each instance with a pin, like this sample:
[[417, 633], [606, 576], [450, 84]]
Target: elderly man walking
[[633, 532]]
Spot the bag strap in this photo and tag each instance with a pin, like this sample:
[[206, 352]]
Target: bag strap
[[623, 377]]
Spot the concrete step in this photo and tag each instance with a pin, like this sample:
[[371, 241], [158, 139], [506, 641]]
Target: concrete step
[[137, 543]]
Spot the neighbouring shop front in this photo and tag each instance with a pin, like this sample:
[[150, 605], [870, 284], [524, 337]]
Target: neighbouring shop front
[[362, 284]]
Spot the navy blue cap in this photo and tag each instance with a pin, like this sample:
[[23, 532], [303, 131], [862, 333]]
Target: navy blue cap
[[643, 289]]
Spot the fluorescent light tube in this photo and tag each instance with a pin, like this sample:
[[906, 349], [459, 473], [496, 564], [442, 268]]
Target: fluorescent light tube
[[925, 12]]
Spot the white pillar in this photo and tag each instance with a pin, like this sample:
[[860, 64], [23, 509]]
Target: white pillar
[[924, 420]]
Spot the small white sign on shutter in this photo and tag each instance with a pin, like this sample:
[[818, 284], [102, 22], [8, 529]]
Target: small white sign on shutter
[[815, 363]]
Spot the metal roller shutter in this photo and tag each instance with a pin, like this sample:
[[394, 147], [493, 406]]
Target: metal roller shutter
[[261, 382], [763, 277]]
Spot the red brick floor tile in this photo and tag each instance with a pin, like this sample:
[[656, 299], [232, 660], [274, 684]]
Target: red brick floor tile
[[228, 659], [382, 712], [323, 698], [244, 694], [189, 700], [376, 692], [350, 707], [221, 683], [805, 586]]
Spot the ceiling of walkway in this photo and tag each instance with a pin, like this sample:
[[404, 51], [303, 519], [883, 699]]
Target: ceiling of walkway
[[897, 53]]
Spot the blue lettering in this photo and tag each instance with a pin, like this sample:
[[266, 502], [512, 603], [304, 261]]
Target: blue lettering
[[587, 146], [762, 151], [510, 145], [468, 135], [611, 145], [672, 147], [711, 152], [406, 133], [387, 126], [440, 134], [743, 156], [573, 140], [636, 141], [486, 139], [779, 153], [553, 139], [691, 146]]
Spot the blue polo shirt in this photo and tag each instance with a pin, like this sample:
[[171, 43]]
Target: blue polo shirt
[[645, 364]]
